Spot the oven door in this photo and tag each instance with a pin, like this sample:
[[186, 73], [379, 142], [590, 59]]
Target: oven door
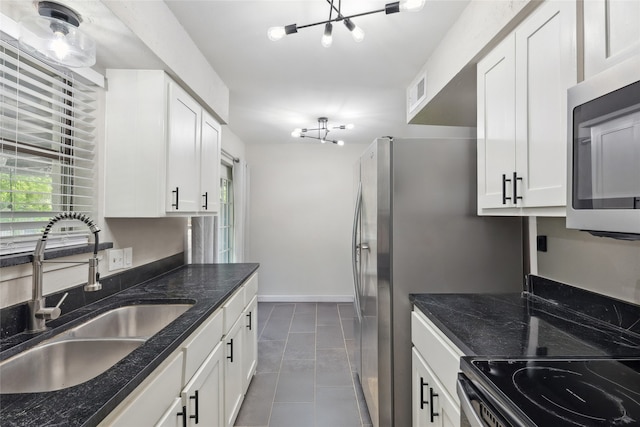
[[475, 410]]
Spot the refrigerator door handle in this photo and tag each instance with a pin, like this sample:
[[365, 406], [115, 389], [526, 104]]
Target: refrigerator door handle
[[355, 249]]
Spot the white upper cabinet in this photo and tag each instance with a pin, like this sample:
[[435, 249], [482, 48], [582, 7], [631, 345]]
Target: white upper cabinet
[[522, 115], [183, 151], [162, 148], [496, 124], [611, 33], [210, 164]]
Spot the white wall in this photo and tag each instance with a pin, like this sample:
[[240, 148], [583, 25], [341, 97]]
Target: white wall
[[599, 264], [301, 214], [232, 144]]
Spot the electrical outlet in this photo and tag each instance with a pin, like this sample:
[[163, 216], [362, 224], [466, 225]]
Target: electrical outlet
[[116, 259], [128, 257]]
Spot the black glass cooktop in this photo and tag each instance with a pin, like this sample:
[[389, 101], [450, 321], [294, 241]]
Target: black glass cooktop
[[555, 392]]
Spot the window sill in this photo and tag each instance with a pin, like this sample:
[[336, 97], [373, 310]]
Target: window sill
[[26, 257]]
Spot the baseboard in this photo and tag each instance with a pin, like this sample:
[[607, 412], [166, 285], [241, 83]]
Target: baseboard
[[305, 298]]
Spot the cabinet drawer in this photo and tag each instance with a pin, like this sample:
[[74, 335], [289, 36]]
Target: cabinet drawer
[[203, 342], [233, 309], [152, 399], [250, 289], [171, 417], [437, 350]]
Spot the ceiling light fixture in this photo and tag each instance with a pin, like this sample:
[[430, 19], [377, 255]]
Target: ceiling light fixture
[[277, 33], [323, 130], [54, 36]]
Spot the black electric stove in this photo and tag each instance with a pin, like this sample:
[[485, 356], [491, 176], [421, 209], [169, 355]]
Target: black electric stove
[[552, 391]]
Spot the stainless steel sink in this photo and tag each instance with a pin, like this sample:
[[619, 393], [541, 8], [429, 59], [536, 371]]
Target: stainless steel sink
[[87, 350], [57, 365], [129, 321]]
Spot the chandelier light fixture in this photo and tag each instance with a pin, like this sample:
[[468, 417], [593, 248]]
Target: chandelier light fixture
[[320, 133], [54, 36], [277, 33]]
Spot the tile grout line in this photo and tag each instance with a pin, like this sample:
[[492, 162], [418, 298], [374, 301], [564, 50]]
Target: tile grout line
[[286, 341]]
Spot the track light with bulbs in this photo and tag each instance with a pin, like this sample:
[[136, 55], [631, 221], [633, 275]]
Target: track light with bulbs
[[322, 130], [277, 33]]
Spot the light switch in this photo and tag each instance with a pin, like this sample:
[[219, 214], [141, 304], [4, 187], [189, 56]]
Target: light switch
[[115, 259]]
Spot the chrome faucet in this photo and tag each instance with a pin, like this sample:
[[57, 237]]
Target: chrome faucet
[[38, 312]]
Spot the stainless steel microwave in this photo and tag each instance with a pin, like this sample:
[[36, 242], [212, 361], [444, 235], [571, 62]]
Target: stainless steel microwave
[[604, 153]]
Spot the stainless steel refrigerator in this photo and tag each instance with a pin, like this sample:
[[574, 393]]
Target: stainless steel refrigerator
[[416, 230]]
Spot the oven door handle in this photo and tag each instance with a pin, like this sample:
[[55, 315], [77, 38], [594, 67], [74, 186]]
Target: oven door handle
[[465, 404]]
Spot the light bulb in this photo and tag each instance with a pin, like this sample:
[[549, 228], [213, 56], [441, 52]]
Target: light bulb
[[59, 46], [358, 34], [411, 5], [340, 143], [296, 133], [327, 39], [349, 126], [276, 33]]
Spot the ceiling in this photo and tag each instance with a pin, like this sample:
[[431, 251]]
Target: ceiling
[[278, 86]]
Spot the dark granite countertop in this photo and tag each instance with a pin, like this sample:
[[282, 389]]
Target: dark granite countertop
[[557, 321], [206, 286]]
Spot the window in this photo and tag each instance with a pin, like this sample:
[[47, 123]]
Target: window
[[225, 217], [46, 152]]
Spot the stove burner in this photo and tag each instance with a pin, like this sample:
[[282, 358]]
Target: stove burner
[[564, 394]]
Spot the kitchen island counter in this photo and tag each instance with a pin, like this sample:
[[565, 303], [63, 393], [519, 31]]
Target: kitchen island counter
[[207, 287]]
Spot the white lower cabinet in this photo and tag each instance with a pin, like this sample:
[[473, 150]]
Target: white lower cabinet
[[204, 381], [203, 396], [432, 405], [435, 365], [250, 350], [233, 377], [152, 400], [173, 416]]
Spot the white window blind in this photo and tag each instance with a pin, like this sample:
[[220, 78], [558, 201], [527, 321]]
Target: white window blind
[[47, 151]]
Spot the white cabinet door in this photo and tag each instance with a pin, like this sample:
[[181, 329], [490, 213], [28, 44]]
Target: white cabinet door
[[209, 165], [431, 404], [203, 396], [546, 66], [250, 350], [183, 152], [233, 375], [522, 114], [611, 33], [174, 415], [496, 126]]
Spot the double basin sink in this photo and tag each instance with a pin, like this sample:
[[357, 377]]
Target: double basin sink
[[87, 350]]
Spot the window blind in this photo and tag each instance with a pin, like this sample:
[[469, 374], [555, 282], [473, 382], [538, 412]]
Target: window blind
[[47, 151]]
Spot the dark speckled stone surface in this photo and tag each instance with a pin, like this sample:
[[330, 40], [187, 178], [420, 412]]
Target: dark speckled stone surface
[[207, 286], [514, 325]]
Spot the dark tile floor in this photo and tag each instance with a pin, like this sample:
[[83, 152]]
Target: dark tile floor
[[305, 375]]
